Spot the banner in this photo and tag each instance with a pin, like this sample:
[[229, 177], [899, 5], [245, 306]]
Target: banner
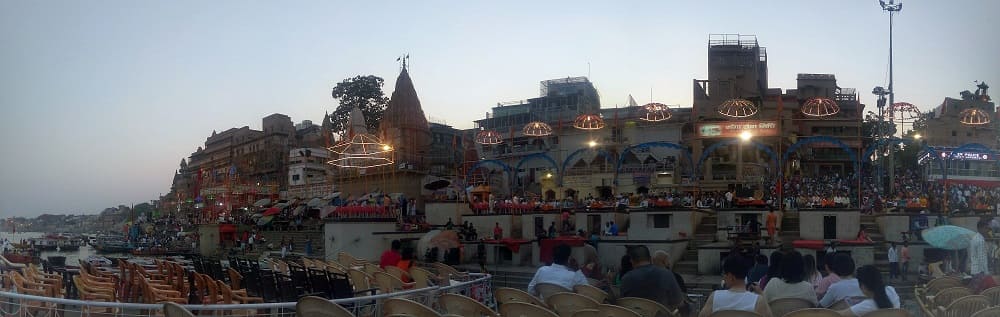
[[733, 129]]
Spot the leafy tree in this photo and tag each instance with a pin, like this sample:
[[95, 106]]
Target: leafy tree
[[364, 92]]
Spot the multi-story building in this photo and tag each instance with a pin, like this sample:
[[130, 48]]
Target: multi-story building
[[741, 128], [966, 149], [309, 174]]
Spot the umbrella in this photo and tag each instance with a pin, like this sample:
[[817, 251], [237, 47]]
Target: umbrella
[[272, 211], [948, 237], [265, 220], [438, 184], [257, 215], [281, 205], [332, 196], [316, 202], [326, 211], [262, 202]]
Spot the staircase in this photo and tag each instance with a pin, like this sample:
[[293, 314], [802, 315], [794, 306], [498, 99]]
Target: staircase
[[704, 234], [298, 239], [790, 228], [880, 252]]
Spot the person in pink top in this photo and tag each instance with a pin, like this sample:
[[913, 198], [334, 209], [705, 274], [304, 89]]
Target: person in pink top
[[829, 279]]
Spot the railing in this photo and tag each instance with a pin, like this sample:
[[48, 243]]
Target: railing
[[478, 287]]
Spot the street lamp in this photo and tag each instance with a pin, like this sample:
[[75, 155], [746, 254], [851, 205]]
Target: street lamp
[[592, 143]]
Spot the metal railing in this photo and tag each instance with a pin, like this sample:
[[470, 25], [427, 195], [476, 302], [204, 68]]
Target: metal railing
[[478, 287]]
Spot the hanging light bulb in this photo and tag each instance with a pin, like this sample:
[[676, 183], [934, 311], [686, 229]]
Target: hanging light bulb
[[588, 122], [820, 107], [537, 128], [737, 108], [973, 116], [655, 112]]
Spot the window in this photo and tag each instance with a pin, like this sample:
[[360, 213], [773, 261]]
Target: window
[[968, 134], [954, 133], [295, 177], [659, 221]]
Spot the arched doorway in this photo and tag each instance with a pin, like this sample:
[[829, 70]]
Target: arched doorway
[[550, 195]]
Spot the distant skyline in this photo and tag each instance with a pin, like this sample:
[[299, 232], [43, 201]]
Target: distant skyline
[[101, 100]]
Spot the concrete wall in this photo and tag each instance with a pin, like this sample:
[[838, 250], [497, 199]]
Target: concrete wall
[[527, 223], [892, 225], [356, 238], [710, 260], [437, 213], [580, 219], [641, 223], [967, 222], [811, 224], [484, 224]]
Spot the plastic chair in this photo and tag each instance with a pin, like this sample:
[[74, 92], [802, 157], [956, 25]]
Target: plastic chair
[[565, 304], [397, 272], [406, 307], [946, 296], [421, 277], [936, 285], [388, 283], [645, 307], [521, 309], [592, 292], [964, 307], [175, 310], [898, 312], [735, 313], [989, 312], [312, 306], [993, 295], [506, 295], [811, 312], [840, 305], [464, 306], [587, 313], [782, 306], [616, 311], [547, 289]]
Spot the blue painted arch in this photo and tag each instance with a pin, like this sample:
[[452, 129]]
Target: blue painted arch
[[569, 159], [662, 144], [757, 145], [481, 164], [536, 156], [821, 139]]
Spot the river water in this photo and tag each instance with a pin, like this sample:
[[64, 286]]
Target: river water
[[71, 256]]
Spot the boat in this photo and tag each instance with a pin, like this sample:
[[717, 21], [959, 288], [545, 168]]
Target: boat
[[21, 257], [112, 244]]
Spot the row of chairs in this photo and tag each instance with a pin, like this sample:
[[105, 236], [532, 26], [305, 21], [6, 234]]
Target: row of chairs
[[948, 297], [311, 306]]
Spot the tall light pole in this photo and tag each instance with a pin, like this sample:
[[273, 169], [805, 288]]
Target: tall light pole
[[891, 7]]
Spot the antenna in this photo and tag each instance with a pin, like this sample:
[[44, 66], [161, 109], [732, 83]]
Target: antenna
[[403, 59], [588, 70]]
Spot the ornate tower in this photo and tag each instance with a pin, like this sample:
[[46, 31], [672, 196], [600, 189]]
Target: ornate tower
[[404, 125]]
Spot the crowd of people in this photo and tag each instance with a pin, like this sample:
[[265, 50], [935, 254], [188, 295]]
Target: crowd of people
[[747, 284]]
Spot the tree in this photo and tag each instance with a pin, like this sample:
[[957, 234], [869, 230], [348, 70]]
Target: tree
[[364, 92]]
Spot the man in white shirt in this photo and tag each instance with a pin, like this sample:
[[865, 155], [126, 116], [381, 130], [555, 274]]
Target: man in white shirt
[[557, 273], [847, 288], [978, 260], [893, 261]]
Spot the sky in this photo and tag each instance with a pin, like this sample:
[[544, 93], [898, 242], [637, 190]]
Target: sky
[[100, 100]]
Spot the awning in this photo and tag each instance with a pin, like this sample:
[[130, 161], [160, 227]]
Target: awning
[[227, 228], [332, 196], [265, 220], [281, 205], [298, 210], [326, 211]]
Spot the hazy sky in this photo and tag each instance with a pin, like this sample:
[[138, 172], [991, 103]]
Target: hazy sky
[[102, 99]]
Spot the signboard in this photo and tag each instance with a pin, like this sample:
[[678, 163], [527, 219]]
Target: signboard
[[964, 156], [733, 129]]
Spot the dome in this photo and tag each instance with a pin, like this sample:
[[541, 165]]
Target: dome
[[820, 107], [655, 112], [588, 122], [537, 128], [973, 116], [737, 108]]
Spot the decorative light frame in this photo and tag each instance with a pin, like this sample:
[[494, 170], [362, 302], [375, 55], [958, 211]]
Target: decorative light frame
[[537, 129], [974, 116], [738, 108], [588, 122], [488, 137], [820, 107], [655, 112]]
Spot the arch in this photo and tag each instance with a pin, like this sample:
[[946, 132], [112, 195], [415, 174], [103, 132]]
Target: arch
[[821, 139], [871, 149], [504, 166], [575, 154], [671, 145], [757, 145], [542, 156]]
